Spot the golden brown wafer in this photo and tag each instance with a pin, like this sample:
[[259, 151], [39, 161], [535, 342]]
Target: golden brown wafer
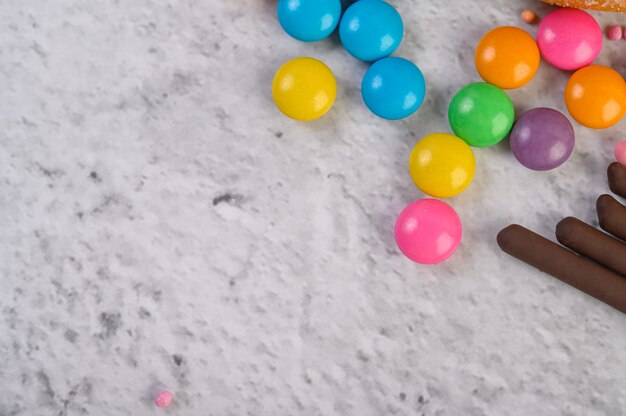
[[606, 5]]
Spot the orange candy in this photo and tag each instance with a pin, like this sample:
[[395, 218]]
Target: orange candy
[[507, 57], [596, 96], [529, 16]]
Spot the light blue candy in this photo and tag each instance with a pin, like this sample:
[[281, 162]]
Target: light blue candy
[[371, 29], [393, 88], [309, 20]]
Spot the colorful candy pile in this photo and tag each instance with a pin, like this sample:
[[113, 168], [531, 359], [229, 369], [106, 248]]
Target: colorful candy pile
[[370, 30], [481, 114]]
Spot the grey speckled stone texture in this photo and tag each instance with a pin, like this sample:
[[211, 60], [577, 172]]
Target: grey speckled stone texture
[[163, 225]]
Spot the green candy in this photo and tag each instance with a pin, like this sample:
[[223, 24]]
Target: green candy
[[481, 114]]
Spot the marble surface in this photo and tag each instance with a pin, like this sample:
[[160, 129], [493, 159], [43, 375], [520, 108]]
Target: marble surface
[[163, 226]]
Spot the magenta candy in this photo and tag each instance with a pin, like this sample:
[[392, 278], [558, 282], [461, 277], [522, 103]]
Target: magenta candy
[[569, 38], [614, 32], [542, 139], [164, 399], [620, 152], [428, 231]]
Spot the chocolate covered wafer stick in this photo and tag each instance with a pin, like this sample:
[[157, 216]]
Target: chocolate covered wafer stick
[[616, 174], [561, 263], [612, 216], [593, 244]]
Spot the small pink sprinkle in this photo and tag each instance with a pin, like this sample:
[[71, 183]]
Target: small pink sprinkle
[[614, 32], [164, 399], [620, 152]]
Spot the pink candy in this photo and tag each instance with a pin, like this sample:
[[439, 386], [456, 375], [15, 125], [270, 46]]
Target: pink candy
[[163, 399], [620, 152], [569, 38], [428, 231], [614, 32]]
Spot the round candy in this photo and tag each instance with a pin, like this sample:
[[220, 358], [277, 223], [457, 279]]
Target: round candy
[[428, 231], [442, 165], [393, 88], [507, 57], [529, 16], [309, 20], [304, 89], [481, 114], [614, 32], [542, 139], [164, 399], [620, 152], [371, 29], [596, 96], [569, 38]]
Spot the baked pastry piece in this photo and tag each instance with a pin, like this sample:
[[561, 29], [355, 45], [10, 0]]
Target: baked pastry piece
[[607, 5]]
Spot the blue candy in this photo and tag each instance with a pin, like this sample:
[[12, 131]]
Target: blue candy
[[309, 20], [371, 29], [393, 88]]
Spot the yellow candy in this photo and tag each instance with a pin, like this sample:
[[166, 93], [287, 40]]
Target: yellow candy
[[442, 165], [304, 89]]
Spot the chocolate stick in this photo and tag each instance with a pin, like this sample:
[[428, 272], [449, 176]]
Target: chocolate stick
[[593, 244], [616, 174], [561, 263], [612, 216]]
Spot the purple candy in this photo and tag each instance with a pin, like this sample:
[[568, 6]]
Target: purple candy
[[542, 139]]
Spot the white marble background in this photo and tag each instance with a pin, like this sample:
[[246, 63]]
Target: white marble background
[[164, 226]]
